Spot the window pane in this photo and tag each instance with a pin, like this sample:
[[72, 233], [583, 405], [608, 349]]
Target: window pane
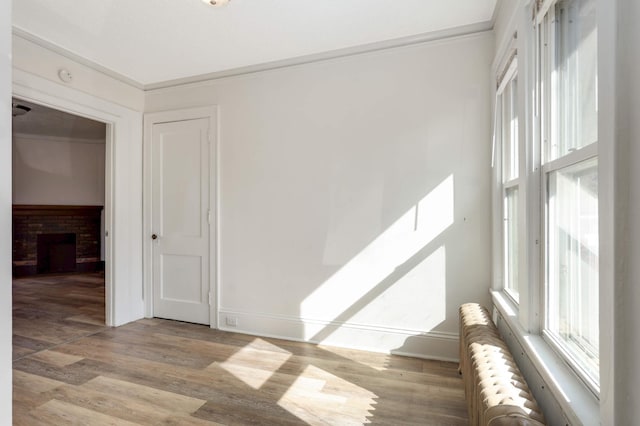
[[573, 262], [510, 130], [576, 115], [511, 242]]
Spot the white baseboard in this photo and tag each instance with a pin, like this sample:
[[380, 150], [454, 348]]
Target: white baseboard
[[420, 344]]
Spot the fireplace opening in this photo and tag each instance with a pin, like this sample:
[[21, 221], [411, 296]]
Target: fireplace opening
[[56, 253]]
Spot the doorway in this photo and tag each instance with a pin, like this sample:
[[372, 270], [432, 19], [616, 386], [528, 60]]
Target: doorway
[[59, 200]]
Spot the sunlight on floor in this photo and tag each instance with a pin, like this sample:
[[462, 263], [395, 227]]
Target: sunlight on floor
[[243, 366], [335, 392]]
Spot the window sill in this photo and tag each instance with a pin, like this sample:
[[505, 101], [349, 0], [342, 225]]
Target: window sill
[[578, 403]]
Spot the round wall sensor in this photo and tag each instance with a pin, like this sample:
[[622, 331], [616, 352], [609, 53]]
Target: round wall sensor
[[216, 3], [65, 75]]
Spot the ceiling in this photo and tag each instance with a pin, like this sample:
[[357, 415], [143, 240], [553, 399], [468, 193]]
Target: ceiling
[[43, 121], [151, 42]]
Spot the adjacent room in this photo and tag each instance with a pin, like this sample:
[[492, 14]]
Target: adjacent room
[[290, 212], [58, 242]]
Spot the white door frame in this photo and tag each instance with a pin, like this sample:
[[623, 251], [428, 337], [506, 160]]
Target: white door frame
[[211, 113], [123, 301]]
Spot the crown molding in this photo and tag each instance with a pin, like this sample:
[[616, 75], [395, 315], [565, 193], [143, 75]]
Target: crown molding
[[48, 138], [19, 32], [449, 33]]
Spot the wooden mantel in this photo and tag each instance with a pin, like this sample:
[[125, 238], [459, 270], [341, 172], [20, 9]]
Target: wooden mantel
[[57, 210]]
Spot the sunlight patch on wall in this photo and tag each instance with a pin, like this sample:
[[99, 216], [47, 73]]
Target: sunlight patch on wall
[[371, 273], [243, 366], [415, 301]]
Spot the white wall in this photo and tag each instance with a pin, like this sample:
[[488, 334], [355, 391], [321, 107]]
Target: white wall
[[5, 213], [354, 195], [58, 171]]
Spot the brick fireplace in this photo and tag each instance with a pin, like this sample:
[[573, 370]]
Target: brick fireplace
[[51, 239]]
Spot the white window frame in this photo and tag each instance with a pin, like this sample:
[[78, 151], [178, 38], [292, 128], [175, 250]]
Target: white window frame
[[509, 72], [547, 80]]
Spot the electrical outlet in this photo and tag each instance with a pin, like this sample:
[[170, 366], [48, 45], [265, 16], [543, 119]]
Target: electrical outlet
[[232, 321]]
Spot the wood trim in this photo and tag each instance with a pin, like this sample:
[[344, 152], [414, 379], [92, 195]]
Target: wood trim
[[50, 210]]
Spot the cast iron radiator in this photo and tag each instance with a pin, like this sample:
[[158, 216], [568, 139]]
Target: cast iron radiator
[[495, 390]]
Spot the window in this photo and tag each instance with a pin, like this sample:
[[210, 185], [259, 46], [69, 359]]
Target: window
[[570, 183], [507, 104], [547, 180], [572, 264]]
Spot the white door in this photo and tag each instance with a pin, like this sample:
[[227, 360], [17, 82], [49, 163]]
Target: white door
[[180, 219]]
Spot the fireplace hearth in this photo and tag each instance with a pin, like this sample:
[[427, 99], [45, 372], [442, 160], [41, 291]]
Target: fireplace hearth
[[56, 253], [56, 239]]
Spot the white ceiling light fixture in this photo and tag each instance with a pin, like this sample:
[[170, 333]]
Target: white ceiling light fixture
[[216, 3]]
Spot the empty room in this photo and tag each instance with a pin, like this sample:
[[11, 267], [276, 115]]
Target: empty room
[[290, 212]]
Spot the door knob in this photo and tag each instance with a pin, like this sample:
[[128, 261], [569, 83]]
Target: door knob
[[154, 237]]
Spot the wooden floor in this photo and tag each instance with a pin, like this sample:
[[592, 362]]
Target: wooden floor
[[69, 369], [50, 310]]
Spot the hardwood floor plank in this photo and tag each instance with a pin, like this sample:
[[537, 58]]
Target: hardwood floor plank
[[25, 401], [152, 348], [19, 352], [107, 400], [246, 412], [54, 358], [33, 382], [257, 377], [41, 332], [176, 403], [29, 343], [56, 412], [188, 421], [71, 374]]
